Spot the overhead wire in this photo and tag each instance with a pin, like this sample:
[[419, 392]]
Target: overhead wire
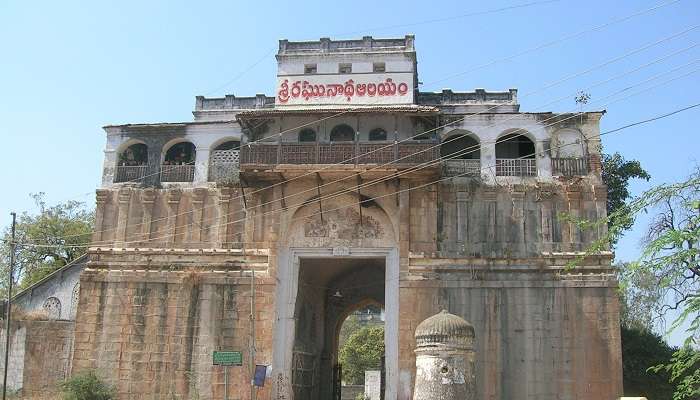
[[412, 170], [534, 154], [456, 121], [547, 44]]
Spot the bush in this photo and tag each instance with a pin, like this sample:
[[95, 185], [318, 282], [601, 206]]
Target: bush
[[361, 352], [86, 386]]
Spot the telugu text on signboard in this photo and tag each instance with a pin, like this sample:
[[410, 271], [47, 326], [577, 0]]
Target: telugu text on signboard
[[365, 89]]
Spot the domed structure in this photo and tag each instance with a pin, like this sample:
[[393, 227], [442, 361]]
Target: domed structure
[[444, 328], [444, 358]]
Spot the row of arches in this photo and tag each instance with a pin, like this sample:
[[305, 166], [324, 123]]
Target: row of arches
[[181, 153], [467, 147], [342, 133]]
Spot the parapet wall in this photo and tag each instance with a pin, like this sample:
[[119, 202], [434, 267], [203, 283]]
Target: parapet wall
[[40, 357], [152, 333]]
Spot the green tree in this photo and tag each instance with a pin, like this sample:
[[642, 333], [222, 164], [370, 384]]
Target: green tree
[[641, 350], [617, 173], [50, 239], [669, 267], [362, 351]]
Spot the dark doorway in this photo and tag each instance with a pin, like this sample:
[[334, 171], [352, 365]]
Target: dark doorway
[[329, 291]]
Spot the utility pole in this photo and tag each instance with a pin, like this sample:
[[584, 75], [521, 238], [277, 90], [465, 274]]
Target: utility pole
[[9, 298], [252, 319]]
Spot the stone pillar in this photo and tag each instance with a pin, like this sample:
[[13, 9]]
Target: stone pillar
[[101, 200], [124, 198], [223, 205], [148, 197], [444, 359], [173, 206]]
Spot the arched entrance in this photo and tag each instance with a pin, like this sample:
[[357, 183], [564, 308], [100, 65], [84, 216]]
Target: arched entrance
[[326, 268]]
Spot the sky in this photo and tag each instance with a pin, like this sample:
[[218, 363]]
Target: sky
[[68, 68]]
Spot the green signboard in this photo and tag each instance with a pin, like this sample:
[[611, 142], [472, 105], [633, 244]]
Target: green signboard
[[228, 358]]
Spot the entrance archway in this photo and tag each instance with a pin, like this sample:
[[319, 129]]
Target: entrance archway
[[346, 249], [328, 290]]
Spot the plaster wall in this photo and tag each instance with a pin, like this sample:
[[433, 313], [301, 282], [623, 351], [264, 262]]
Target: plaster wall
[[62, 285]]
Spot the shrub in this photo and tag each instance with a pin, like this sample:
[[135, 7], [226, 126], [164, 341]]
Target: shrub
[[86, 386]]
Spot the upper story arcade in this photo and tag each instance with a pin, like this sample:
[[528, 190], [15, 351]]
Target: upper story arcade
[[353, 106]]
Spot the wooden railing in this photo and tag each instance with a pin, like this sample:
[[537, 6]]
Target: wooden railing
[[461, 167], [177, 173], [339, 153], [569, 166], [516, 167], [130, 173]]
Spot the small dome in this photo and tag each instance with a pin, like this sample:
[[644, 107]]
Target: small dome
[[444, 328]]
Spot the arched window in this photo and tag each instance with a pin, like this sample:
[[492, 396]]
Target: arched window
[[224, 162], [378, 134], [515, 156], [460, 147], [132, 163], [52, 307], [515, 145], [182, 153], [134, 155], [228, 145], [307, 135], [342, 133], [178, 164]]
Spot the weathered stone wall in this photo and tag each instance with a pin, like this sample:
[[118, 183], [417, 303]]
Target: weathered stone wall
[[173, 218], [40, 357], [511, 221], [150, 326], [541, 332]]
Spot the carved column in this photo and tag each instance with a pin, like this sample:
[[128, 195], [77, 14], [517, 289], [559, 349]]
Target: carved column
[[222, 221], [490, 207], [173, 206], [517, 218], [194, 233], [122, 215], [148, 197], [101, 200], [573, 197]]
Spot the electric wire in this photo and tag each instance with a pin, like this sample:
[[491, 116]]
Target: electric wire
[[552, 84], [372, 198]]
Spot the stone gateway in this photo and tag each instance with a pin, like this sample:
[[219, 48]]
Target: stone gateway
[[261, 224]]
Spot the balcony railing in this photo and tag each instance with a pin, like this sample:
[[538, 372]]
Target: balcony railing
[[339, 153], [516, 167], [461, 167], [224, 166], [177, 173], [569, 166], [130, 173]]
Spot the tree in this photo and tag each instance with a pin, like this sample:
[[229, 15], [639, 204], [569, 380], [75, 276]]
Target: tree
[[361, 352], [641, 350], [54, 237], [669, 266], [617, 173]]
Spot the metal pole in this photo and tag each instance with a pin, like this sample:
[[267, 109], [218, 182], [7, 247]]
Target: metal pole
[[225, 382], [252, 315], [7, 315]]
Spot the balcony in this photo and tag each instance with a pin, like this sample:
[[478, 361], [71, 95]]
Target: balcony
[[461, 167], [569, 166], [177, 173], [516, 167], [224, 166], [130, 173], [398, 154]]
